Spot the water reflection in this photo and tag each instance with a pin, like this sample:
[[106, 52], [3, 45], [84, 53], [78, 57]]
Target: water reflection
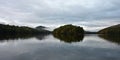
[[92, 48], [41, 36], [62, 37], [22, 37], [111, 38], [69, 38]]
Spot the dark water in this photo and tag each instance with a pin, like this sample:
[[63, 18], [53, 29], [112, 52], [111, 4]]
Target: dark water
[[48, 47]]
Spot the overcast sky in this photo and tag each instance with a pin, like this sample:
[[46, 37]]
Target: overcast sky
[[90, 14]]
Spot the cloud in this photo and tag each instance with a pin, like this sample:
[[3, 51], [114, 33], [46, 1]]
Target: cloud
[[57, 12]]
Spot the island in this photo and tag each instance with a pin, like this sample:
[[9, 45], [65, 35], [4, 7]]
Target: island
[[69, 33], [69, 30]]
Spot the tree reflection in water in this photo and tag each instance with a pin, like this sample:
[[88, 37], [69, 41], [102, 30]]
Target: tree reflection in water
[[111, 38], [5, 37], [69, 38], [41, 36]]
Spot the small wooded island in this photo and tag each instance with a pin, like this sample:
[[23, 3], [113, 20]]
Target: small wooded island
[[69, 33], [69, 30]]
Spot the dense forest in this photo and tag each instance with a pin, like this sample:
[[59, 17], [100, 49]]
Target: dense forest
[[69, 29], [22, 30], [113, 30]]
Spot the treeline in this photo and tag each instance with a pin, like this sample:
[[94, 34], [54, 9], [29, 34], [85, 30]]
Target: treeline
[[66, 29], [112, 30], [23, 30]]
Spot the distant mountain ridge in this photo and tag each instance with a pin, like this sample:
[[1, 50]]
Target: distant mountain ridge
[[40, 27]]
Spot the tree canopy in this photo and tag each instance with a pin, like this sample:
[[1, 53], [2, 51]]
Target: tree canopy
[[113, 30], [69, 29]]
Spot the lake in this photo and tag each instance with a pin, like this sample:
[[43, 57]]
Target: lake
[[48, 47]]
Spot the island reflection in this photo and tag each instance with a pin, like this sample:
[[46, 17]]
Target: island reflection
[[69, 38], [111, 38]]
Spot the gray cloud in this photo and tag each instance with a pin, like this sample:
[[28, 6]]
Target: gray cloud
[[57, 12]]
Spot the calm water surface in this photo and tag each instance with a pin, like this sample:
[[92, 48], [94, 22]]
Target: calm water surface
[[47, 47]]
